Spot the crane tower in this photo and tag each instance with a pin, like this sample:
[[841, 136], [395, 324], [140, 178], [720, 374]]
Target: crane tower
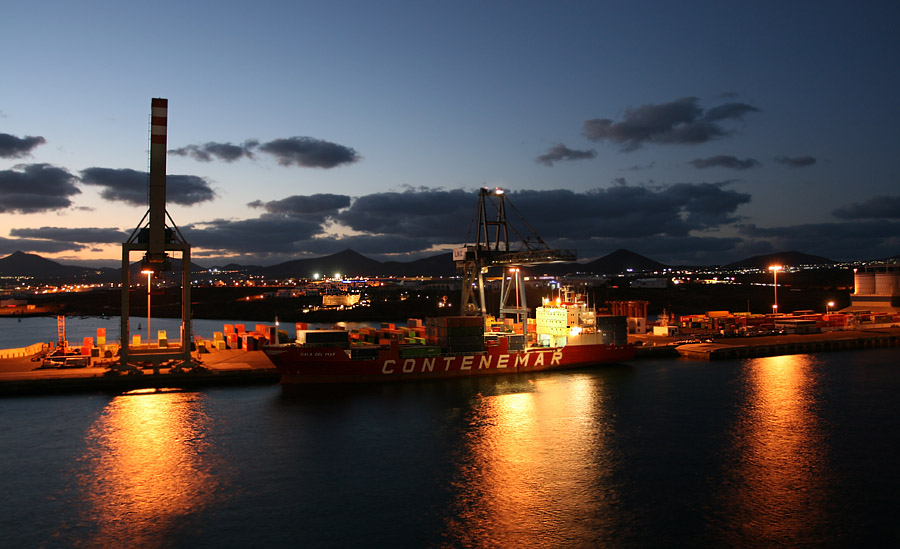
[[156, 240], [492, 248]]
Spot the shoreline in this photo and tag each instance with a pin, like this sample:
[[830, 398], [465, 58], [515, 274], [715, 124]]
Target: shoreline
[[19, 377]]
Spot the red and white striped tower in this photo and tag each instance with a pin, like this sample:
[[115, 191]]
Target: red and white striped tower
[[159, 113]]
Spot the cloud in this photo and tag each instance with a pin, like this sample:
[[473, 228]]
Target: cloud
[[10, 245], [877, 207], [560, 152], [619, 211], [130, 186], [846, 240], [227, 152], [677, 122], [725, 161], [262, 236], [309, 152], [419, 220], [17, 147], [797, 161], [36, 188], [317, 206], [85, 235], [429, 213]]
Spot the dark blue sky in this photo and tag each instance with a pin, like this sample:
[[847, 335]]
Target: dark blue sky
[[692, 132]]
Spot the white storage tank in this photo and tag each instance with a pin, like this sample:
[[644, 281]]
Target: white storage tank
[[885, 283], [865, 283]]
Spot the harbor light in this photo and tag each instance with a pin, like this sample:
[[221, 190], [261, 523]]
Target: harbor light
[[775, 269], [149, 274], [828, 307]]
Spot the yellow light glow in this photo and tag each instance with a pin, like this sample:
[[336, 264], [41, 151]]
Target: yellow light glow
[[148, 466], [779, 433]]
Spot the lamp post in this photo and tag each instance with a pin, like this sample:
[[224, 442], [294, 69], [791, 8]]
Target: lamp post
[[775, 269], [149, 274], [828, 307]]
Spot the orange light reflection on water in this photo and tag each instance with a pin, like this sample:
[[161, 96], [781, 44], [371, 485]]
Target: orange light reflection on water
[[776, 488], [148, 465], [534, 467]]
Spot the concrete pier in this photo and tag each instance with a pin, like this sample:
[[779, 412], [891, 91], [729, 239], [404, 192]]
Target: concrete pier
[[751, 347], [22, 376]]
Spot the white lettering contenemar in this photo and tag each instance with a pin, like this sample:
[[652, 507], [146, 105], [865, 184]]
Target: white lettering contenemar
[[466, 362]]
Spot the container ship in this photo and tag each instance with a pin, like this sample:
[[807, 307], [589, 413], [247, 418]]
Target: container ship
[[564, 334]]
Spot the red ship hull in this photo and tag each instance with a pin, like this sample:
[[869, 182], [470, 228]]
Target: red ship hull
[[303, 365]]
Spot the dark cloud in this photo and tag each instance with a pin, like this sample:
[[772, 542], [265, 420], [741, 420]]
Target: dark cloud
[[839, 241], [797, 161], [317, 206], [670, 250], [131, 186], [560, 152], [379, 245], [35, 188], [11, 245], [262, 236], [619, 211], [227, 152], [435, 214], [728, 111], [309, 152], [678, 122], [674, 224], [625, 211], [86, 235], [725, 161], [877, 207], [17, 147]]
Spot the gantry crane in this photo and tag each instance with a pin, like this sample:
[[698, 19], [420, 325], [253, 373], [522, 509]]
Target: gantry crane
[[156, 239], [492, 249]]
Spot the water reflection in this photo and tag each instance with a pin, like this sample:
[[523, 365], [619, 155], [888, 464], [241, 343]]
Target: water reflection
[[776, 490], [148, 467], [535, 466]]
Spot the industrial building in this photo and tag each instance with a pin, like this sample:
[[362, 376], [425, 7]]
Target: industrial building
[[876, 289]]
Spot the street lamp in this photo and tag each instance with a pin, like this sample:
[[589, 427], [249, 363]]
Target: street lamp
[[775, 269], [149, 274], [829, 306]]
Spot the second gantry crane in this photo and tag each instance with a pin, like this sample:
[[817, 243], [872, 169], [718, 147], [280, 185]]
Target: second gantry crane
[[492, 248]]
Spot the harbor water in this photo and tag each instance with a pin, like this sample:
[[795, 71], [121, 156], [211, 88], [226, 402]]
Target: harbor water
[[789, 450]]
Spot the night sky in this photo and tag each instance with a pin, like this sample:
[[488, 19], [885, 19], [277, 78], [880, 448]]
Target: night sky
[[689, 132]]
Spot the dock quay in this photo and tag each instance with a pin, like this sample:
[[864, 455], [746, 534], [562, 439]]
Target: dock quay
[[751, 347], [21, 376]]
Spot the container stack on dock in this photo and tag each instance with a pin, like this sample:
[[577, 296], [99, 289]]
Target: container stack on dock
[[236, 336], [456, 334]]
